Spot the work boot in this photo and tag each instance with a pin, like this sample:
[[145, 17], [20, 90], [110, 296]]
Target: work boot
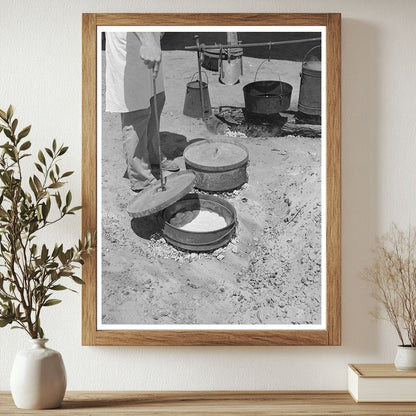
[[142, 185], [169, 165]]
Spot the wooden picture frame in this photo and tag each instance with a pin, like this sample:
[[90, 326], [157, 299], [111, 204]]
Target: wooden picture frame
[[331, 334]]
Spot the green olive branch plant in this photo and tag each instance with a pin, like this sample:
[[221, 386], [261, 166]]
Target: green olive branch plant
[[31, 274]]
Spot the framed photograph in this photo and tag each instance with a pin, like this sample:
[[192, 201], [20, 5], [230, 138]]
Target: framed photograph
[[211, 172]]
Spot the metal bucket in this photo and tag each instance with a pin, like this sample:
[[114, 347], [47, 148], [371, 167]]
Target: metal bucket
[[231, 67], [310, 86], [192, 106], [201, 240], [265, 98], [230, 71]]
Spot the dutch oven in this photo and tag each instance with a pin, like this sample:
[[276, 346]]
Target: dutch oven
[[219, 165], [175, 198], [199, 240], [264, 98]]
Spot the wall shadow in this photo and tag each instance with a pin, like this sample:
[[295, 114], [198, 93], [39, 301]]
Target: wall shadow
[[361, 83]]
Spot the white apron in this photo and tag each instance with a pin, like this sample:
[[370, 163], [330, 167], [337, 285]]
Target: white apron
[[128, 79]]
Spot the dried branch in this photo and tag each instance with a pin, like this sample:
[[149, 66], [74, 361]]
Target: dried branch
[[393, 277]]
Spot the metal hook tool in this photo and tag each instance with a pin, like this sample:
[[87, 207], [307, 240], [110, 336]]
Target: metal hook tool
[[155, 110]]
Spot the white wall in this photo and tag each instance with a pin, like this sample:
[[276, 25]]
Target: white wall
[[40, 73]]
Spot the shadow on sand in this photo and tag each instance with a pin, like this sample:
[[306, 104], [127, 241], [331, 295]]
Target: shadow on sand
[[172, 144], [146, 227]]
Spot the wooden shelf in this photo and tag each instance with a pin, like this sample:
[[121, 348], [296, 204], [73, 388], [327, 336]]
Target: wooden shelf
[[268, 403]]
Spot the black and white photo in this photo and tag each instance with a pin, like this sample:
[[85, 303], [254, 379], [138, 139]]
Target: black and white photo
[[211, 178]]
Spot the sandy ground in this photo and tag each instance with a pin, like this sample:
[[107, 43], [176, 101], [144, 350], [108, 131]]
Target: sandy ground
[[270, 272]]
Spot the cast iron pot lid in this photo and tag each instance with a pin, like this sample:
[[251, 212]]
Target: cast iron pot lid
[[215, 155], [153, 199]]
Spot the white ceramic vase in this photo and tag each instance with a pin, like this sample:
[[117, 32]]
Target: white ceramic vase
[[405, 358], [38, 378]]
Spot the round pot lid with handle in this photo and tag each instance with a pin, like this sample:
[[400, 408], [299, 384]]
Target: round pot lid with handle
[[153, 199], [215, 155]]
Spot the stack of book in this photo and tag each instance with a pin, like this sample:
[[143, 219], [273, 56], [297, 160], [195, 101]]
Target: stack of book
[[381, 383]]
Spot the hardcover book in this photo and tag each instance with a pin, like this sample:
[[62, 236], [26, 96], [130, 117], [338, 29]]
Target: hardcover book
[[381, 383]]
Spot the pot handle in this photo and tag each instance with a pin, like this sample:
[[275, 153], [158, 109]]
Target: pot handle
[[309, 51], [196, 73], [280, 81]]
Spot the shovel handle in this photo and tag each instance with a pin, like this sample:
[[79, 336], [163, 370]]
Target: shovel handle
[[201, 95]]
